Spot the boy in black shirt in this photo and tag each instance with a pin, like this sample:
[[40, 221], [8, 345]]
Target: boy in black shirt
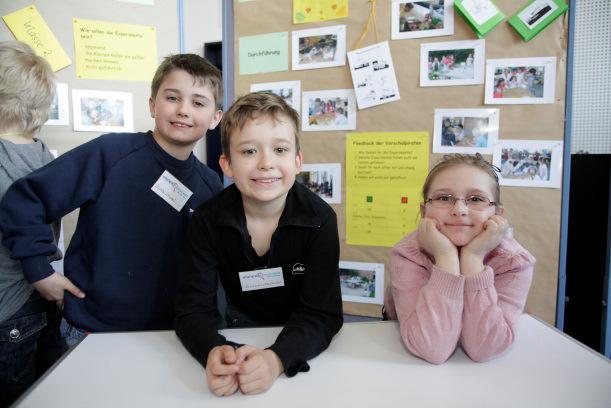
[[274, 246]]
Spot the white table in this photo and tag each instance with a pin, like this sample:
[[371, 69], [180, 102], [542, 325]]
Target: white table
[[365, 366]]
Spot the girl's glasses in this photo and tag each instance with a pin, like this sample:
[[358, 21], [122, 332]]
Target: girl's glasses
[[446, 201]]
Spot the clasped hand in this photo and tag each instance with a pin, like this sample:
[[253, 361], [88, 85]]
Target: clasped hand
[[248, 368]]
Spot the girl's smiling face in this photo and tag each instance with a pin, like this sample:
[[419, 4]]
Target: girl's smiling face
[[460, 223]]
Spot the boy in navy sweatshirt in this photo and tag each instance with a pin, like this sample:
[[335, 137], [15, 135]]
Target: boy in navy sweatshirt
[[272, 243], [136, 193]]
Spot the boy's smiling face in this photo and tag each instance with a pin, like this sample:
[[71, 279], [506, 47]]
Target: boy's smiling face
[[184, 109], [263, 160]]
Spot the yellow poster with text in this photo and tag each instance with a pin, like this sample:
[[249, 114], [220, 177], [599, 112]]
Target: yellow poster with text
[[308, 11], [115, 51], [29, 27], [385, 172]]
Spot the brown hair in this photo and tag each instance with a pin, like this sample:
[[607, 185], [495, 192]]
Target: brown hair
[[198, 67], [453, 160], [27, 87], [252, 106]]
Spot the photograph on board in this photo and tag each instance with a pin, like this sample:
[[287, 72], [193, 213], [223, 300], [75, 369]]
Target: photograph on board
[[452, 63], [324, 179], [59, 113], [319, 47], [537, 12], [535, 15], [102, 111], [529, 163], [466, 131], [417, 19], [290, 91], [520, 80], [362, 282], [328, 110]]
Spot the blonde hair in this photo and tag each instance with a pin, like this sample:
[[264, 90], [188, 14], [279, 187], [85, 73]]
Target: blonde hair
[[27, 87], [453, 160], [198, 67], [252, 106]]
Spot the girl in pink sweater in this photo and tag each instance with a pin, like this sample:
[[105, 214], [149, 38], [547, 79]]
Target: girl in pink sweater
[[459, 279]]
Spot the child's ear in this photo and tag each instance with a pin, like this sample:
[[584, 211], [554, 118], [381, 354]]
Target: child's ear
[[216, 119], [152, 106], [225, 163], [500, 210], [299, 162]]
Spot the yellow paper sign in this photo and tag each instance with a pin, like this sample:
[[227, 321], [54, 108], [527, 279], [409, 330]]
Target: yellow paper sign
[[29, 27], [116, 51], [307, 11], [384, 176]]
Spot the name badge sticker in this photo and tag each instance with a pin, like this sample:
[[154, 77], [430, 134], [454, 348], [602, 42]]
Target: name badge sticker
[[172, 191], [261, 279]]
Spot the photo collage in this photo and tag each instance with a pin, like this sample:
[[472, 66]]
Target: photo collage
[[471, 129]]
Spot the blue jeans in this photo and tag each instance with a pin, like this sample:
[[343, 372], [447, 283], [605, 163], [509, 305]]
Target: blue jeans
[[71, 334], [29, 344]]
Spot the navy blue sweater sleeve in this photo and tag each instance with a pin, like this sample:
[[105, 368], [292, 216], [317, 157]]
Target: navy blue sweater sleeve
[[197, 317], [48, 194], [318, 315]]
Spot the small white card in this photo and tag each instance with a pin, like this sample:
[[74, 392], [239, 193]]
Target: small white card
[[480, 10], [172, 191], [373, 75], [261, 279]]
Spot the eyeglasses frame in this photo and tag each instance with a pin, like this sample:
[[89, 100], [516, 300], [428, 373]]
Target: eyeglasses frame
[[456, 199]]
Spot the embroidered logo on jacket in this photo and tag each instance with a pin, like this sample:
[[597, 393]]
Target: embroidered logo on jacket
[[298, 269]]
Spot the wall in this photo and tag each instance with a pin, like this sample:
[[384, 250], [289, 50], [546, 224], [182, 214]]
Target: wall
[[591, 118], [202, 24]]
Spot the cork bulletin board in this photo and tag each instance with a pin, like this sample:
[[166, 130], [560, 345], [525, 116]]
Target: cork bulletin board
[[534, 213]]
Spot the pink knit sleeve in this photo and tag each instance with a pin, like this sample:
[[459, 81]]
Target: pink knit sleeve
[[428, 307], [493, 305]]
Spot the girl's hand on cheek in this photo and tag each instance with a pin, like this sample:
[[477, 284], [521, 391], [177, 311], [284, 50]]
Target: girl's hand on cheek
[[438, 245], [494, 230]]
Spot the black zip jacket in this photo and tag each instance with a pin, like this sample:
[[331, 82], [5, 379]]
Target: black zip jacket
[[305, 245]]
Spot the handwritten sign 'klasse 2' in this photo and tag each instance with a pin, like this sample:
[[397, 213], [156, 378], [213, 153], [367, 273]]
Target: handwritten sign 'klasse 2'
[[29, 27]]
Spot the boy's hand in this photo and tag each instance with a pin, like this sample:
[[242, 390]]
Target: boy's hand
[[221, 371], [472, 255], [438, 245], [259, 369], [53, 287]]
